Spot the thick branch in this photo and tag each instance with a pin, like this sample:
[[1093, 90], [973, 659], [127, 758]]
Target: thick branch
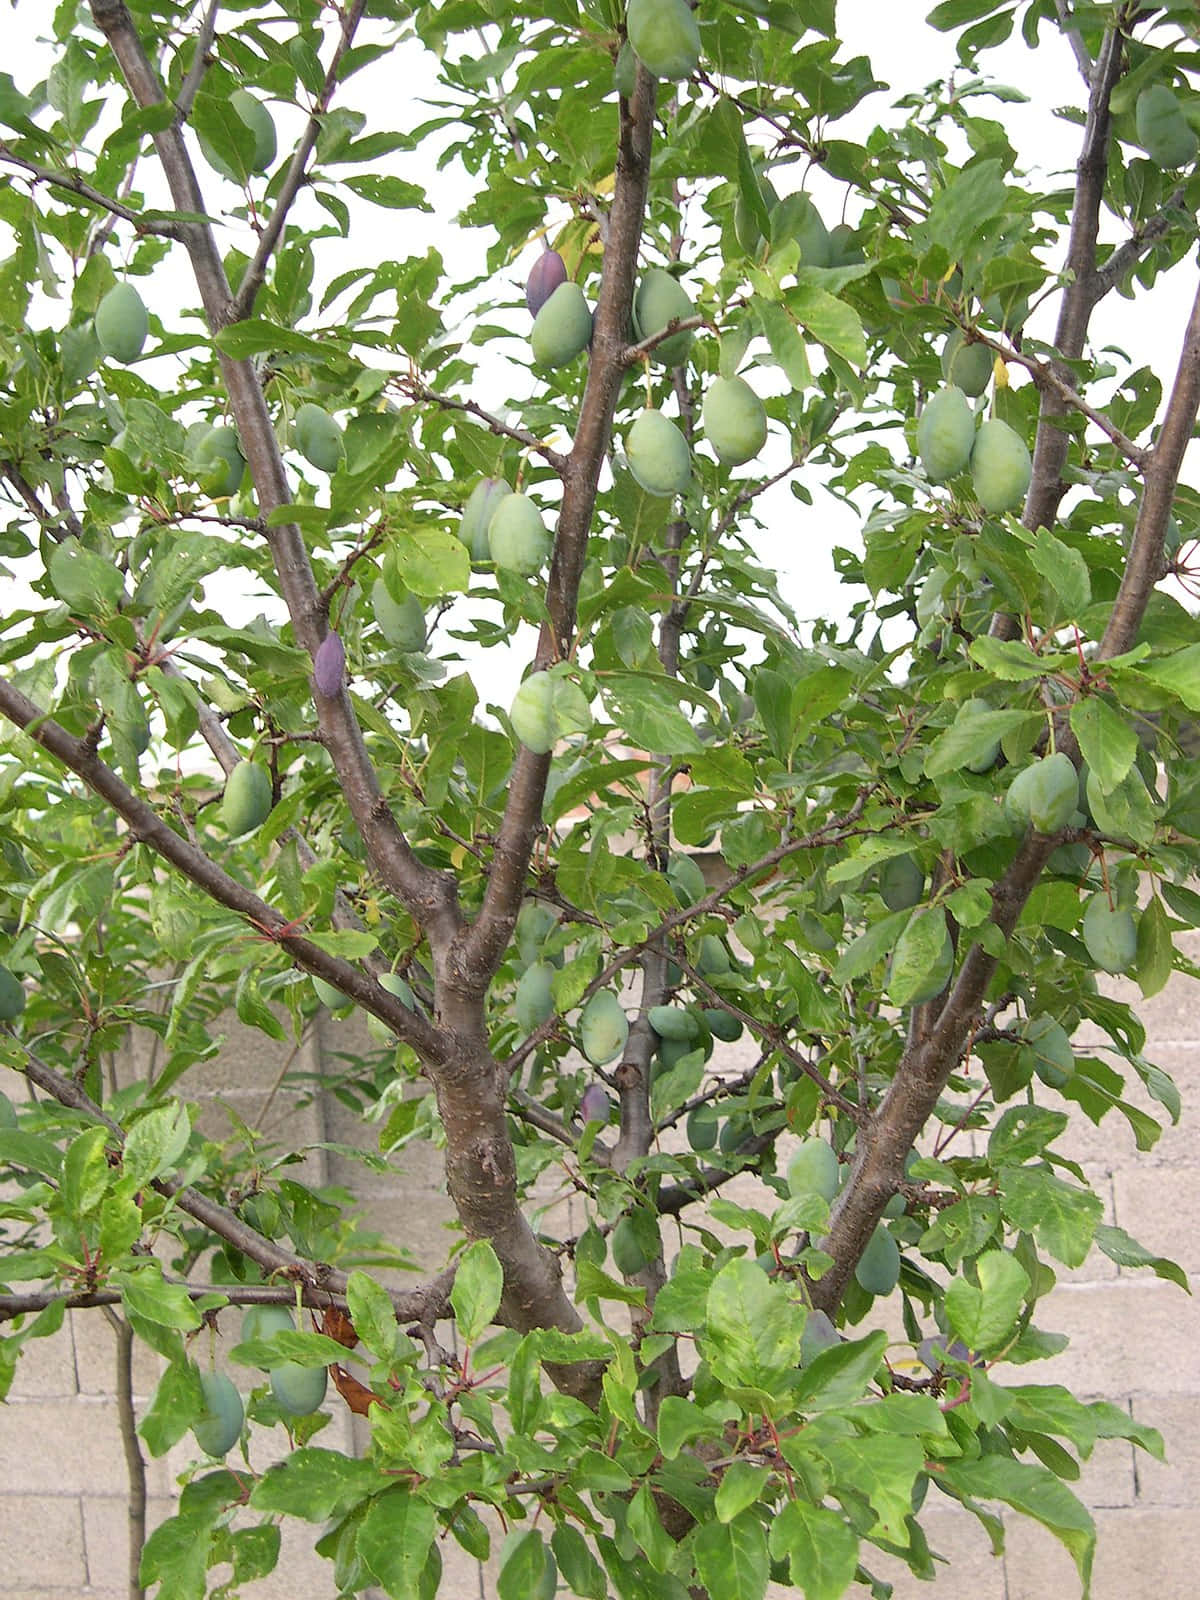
[[485, 942], [148, 827], [1144, 566], [427, 894]]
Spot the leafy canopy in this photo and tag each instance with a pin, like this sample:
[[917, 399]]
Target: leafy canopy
[[274, 543]]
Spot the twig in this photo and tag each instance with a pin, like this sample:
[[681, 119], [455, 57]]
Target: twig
[[324, 1283], [1046, 376], [72, 184], [255, 274], [200, 62], [1075, 39], [412, 386], [135, 1465]]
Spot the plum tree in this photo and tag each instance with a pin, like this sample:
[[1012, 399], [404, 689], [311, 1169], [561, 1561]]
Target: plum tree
[[646, 878]]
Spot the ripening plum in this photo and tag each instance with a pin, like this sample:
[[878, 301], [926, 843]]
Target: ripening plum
[[734, 421]]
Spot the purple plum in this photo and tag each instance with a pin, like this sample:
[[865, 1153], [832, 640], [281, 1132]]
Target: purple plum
[[594, 1107], [549, 271], [329, 666]]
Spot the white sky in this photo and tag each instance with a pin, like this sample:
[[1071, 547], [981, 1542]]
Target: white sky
[[906, 53]]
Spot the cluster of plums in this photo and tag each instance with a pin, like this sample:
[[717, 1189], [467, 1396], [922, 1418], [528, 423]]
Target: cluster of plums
[[732, 416], [296, 1390]]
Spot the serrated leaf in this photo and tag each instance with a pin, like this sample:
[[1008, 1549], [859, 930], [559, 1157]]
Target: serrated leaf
[[478, 1285], [820, 1546], [314, 1484], [394, 1542], [983, 1315], [373, 1315], [731, 1558], [1107, 741], [1034, 1491]]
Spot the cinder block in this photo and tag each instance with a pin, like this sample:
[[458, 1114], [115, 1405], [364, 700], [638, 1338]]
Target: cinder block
[[1159, 1207], [106, 1534], [970, 1569], [1110, 1143], [1138, 1552], [68, 1447], [41, 1540], [46, 1369], [1177, 1481], [1127, 1337], [95, 1357]]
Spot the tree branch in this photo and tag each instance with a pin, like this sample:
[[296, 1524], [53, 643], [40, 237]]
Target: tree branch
[[1144, 565], [325, 1284], [255, 274], [148, 827], [411, 386], [483, 944], [427, 894], [74, 185], [135, 1466]]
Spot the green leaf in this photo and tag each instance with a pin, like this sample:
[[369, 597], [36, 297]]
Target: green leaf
[[1008, 659], [820, 1546], [314, 1484], [1125, 1250], [176, 1556], [679, 1422], [1155, 948], [784, 339], [258, 336], [394, 1542], [1107, 741], [1034, 1491], [1060, 1216], [382, 189], [870, 948], [430, 561], [154, 1144], [1178, 674], [971, 735], [983, 1315], [753, 1328], [579, 1567], [840, 1375], [740, 1487], [373, 1316], [646, 709], [1066, 573], [87, 583], [829, 320], [478, 1285], [883, 1467], [522, 1565], [731, 1557], [963, 207], [178, 1402], [146, 1294]]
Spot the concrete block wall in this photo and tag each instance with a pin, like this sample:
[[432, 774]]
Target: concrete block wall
[[63, 1507]]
